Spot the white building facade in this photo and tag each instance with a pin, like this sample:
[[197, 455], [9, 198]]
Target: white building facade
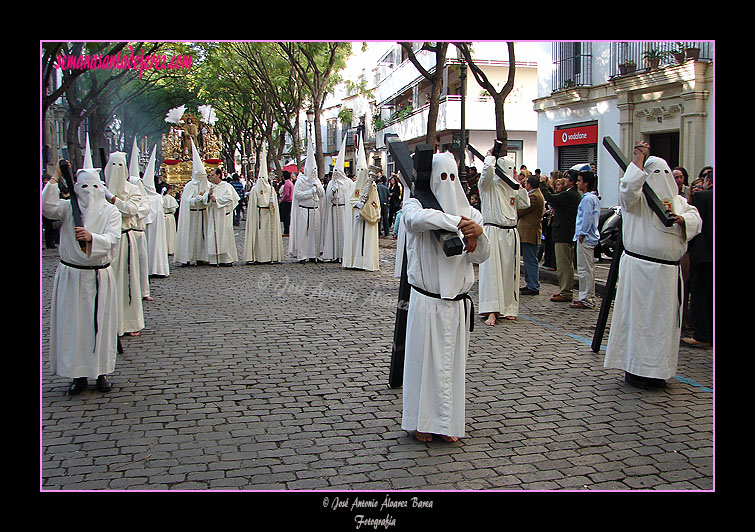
[[590, 91]]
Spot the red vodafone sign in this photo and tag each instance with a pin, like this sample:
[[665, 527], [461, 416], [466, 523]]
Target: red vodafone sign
[[575, 135]]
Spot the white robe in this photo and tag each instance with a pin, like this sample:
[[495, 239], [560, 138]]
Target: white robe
[[157, 243], [169, 208], [126, 263], [140, 235], [305, 227], [646, 322], [263, 239], [75, 349], [221, 242], [336, 218], [499, 275], [191, 235], [361, 241], [437, 330]]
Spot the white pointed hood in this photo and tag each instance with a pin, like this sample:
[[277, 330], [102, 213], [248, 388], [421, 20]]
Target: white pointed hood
[[88, 156], [508, 165], [133, 166], [362, 173], [445, 185], [88, 186], [310, 168], [262, 186], [198, 171], [116, 174], [339, 174], [149, 173]]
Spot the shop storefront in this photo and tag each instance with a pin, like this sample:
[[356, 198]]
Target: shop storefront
[[576, 144]]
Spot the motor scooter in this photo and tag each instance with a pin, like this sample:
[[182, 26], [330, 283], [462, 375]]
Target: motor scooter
[[610, 231]]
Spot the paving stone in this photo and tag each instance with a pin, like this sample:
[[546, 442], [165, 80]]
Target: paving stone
[[274, 377]]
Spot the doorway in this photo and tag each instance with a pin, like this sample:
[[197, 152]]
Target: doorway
[[665, 146]]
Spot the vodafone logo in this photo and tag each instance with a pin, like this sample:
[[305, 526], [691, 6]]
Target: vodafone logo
[[581, 135]]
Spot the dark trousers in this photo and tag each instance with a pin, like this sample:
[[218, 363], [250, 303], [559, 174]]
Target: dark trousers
[[385, 219], [701, 301], [285, 213]]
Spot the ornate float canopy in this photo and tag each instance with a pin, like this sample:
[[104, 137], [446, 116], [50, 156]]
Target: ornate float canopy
[[176, 144]]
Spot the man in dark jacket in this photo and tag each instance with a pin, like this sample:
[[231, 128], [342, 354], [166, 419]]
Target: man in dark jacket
[[565, 206], [701, 270]]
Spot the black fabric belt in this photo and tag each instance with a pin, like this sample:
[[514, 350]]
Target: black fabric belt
[[310, 208], [82, 267], [652, 259], [457, 298], [96, 291], [500, 226]]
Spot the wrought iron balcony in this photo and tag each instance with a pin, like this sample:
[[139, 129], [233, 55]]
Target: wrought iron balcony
[[573, 65], [630, 57]]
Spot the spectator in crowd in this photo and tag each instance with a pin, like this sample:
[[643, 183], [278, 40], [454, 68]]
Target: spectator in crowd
[[701, 270], [385, 208], [530, 233], [586, 237], [238, 186], [286, 195], [565, 205]]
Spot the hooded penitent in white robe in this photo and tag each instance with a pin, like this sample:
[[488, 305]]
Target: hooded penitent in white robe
[[306, 209], [221, 199], [336, 212], [499, 275], [169, 208], [126, 261], [647, 317], [157, 244], [437, 330], [263, 239], [360, 247], [140, 229], [84, 309], [191, 235]]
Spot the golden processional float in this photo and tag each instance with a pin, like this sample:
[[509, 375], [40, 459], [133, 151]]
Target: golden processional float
[[185, 127]]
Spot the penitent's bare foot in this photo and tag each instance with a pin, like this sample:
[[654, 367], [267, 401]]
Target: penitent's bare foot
[[449, 439], [511, 318], [491, 319], [423, 436]]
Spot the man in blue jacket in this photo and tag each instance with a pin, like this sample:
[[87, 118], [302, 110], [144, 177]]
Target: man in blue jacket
[[586, 237]]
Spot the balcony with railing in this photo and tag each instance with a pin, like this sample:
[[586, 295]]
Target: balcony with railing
[[572, 62], [630, 57]]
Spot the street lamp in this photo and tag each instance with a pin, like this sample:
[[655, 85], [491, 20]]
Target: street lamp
[[310, 119], [463, 155]]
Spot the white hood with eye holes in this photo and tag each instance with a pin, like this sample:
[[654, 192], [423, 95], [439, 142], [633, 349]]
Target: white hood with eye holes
[[116, 174]]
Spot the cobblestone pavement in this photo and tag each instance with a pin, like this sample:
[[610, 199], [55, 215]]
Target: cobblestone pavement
[[274, 377]]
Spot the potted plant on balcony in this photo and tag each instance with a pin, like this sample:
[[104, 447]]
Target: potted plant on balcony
[[653, 57], [684, 52], [627, 67]]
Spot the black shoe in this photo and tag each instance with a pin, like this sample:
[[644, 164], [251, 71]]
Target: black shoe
[[77, 386], [643, 382], [529, 292], [103, 384]]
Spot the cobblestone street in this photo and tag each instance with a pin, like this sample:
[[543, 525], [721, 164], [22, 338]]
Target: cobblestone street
[[275, 377]]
